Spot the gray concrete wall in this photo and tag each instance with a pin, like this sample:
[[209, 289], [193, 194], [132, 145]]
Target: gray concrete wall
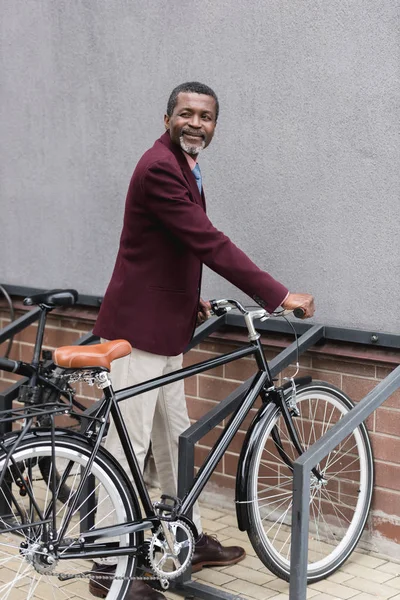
[[303, 173]]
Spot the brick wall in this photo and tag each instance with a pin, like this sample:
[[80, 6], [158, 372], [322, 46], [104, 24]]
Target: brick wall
[[354, 368]]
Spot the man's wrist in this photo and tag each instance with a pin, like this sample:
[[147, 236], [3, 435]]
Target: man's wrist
[[285, 298]]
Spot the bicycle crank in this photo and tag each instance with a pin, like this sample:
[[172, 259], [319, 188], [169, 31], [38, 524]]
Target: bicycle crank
[[171, 549]]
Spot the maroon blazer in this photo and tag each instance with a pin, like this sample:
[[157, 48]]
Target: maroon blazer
[[152, 298]]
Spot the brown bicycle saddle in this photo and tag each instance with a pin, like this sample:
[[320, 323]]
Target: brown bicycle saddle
[[85, 357]]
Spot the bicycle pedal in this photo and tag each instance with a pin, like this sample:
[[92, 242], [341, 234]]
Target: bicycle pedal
[[167, 509]]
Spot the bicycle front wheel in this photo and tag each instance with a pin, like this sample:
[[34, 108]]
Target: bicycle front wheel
[[33, 559], [339, 503]]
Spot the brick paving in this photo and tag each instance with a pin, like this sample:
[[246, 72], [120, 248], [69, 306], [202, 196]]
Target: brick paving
[[362, 577]]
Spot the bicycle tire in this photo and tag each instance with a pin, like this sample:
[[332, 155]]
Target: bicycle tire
[[24, 551], [338, 508]]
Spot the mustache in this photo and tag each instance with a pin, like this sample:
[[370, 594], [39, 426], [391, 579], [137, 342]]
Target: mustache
[[194, 133]]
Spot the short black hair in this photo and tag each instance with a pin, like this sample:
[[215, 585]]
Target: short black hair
[[193, 87]]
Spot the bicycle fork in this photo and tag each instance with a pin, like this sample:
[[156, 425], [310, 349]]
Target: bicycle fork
[[278, 397]]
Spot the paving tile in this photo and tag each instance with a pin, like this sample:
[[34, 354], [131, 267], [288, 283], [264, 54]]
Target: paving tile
[[210, 526], [250, 589], [279, 585], [79, 588], [324, 596], [15, 594], [228, 520], [394, 583], [236, 534], [253, 562], [364, 596], [213, 576], [358, 570], [247, 574], [236, 596], [312, 593], [42, 591], [389, 567], [380, 590], [334, 589], [340, 577], [282, 589], [366, 560], [210, 513]]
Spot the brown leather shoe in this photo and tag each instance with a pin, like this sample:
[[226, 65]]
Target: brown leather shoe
[[209, 552], [138, 589]]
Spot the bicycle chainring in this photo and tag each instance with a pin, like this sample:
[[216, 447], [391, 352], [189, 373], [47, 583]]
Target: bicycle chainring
[[170, 562]]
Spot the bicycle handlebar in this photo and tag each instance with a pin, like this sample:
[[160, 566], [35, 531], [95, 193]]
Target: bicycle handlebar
[[16, 366], [221, 307]]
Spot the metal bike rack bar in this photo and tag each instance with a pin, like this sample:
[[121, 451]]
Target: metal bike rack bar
[[339, 334], [193, 434], [19, 324], [301, 477]]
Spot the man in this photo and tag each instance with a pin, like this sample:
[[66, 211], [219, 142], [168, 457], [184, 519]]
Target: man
[[153, 296]]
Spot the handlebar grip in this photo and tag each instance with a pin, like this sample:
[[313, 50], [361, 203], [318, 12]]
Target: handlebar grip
[[9, 365], [299, 312], [16, 366]]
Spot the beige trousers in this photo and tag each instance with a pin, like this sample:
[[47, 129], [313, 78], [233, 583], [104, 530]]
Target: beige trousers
[[159, 416]]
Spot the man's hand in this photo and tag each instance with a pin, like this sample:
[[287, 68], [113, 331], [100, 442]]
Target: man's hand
[[203, 312], [304, 301]]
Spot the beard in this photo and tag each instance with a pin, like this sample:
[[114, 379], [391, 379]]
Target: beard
[[191, 149]]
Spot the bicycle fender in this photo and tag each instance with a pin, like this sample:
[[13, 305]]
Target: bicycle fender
[[244, 463]]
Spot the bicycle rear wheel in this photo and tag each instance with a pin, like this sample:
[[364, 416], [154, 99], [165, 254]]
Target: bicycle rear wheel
[[30, 562], [339, 504], [16, 473]]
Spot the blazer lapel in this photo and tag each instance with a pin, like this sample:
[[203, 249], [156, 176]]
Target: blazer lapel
[[187, 173]]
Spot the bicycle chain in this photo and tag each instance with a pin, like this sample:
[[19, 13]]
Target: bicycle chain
[[89, 574]]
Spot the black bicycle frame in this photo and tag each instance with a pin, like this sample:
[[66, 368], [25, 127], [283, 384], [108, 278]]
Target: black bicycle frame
[[261, 381], [262, 384]]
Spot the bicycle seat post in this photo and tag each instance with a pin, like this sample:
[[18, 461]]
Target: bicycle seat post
[[40, 333]]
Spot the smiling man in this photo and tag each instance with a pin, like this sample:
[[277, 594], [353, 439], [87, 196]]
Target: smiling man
[[153, 300]]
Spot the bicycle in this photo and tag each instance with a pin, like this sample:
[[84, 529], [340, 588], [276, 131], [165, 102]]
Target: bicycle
[[59, 539]]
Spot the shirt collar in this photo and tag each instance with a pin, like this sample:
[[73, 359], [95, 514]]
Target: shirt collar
[[191, 161]]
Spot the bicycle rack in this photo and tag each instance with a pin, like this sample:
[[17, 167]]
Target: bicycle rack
[[309, 335]]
